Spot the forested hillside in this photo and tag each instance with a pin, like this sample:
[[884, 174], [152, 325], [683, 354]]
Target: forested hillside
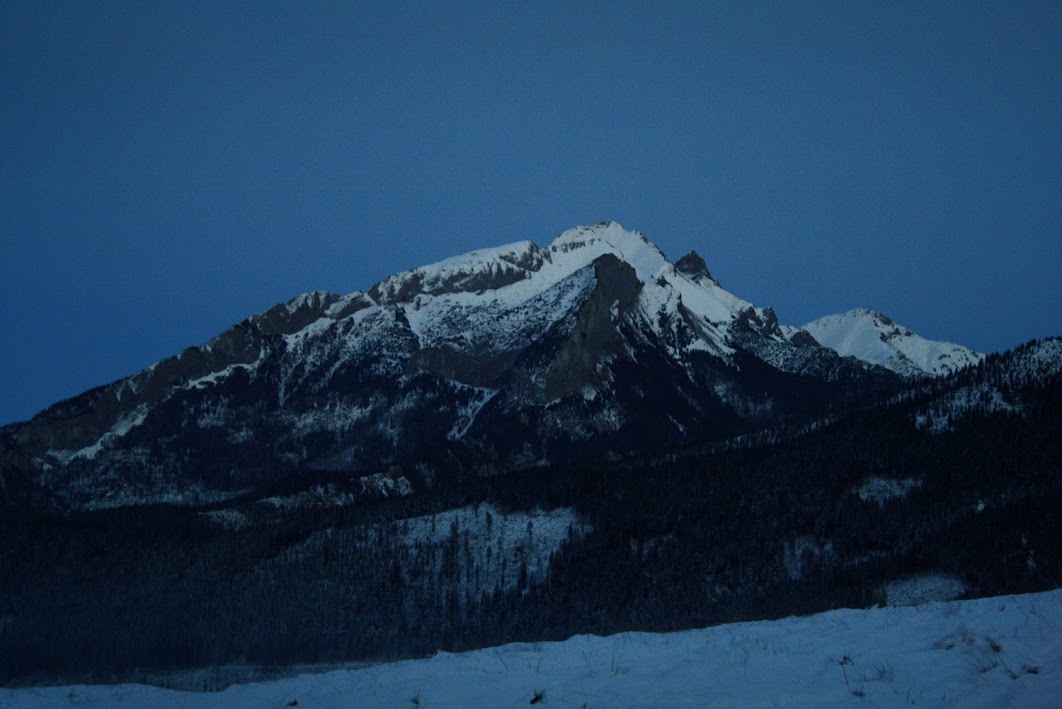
[[960, 478]]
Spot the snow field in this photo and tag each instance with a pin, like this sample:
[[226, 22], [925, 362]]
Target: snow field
[[990, 652]]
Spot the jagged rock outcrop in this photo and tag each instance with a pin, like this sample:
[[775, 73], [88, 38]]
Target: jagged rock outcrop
[[693, 266]]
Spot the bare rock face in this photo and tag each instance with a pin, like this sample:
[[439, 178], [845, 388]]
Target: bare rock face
[[84, 420], [290, 317], [803, 338], [761, 321], [485, 369], [693, 266], [491, 272], [595, 337]]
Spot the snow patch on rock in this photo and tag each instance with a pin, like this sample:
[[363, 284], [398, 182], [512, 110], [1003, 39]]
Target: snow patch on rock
[[229, 519], [501, 546], [918, 590], [121, 428], [879, 490], [385, 485]]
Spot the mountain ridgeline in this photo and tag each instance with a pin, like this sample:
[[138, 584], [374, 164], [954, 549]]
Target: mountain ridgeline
[[594, 347]]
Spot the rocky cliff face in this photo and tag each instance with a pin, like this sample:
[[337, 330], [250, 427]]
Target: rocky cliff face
[[594, 346]]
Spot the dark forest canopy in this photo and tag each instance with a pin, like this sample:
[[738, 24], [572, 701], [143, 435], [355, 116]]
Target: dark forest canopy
[[769, 526]]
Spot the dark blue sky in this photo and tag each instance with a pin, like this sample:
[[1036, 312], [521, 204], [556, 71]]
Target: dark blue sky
[[168, 171]]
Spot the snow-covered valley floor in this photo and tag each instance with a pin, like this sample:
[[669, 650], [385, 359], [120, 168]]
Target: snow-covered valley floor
[[1004, 651]]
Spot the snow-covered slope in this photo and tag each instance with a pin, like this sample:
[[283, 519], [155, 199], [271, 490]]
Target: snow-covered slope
[[874, 338], [990, 652]]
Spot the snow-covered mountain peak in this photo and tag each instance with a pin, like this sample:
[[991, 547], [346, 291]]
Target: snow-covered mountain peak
[[585, 243], [462, 299], [520, 349], [872, 337], [495, 268], [608, 230], [670, 293], [880, 319], [503, 298]]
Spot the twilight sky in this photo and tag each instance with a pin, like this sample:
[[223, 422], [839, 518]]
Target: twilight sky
[[169, 169]]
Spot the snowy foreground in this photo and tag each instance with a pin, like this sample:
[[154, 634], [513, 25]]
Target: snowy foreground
[[1004, 651]]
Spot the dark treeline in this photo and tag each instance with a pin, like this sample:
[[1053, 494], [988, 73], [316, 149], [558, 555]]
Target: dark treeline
[[772, 527]]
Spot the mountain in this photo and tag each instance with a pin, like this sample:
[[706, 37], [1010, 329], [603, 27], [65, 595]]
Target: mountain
[[594, 347], [522, 443], [874, 338]]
